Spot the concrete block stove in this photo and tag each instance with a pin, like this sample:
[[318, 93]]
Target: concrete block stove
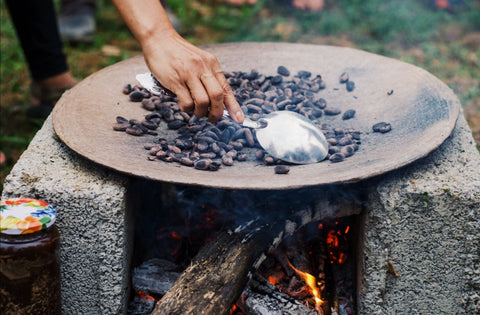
[[418, 252]]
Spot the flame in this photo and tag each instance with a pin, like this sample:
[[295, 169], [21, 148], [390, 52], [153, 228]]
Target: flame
[[145, 296], [333, 240], [311, 283], [175, 235], [271, 280]]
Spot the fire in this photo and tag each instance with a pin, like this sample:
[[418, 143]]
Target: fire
[[335, 242], [272, 280], [234, 308], [145, 296], [175, 235], [311, 283]]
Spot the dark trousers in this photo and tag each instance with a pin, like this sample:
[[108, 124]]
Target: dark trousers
[[68, 7], [35, 22]]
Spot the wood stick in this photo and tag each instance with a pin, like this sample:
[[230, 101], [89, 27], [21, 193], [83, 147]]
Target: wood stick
[[219, 273]]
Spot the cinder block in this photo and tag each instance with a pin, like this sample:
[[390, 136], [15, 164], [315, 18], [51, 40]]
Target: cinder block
[[93, 213]]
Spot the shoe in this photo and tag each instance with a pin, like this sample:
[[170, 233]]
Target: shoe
[[45, 100], [40, 111], [78, 26]]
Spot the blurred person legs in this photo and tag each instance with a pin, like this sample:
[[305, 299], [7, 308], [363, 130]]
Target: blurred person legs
[[36, 27], [241, 2], [77, 20], [308, 5]]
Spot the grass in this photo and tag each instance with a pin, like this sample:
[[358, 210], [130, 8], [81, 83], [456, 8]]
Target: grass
[[444, 43]]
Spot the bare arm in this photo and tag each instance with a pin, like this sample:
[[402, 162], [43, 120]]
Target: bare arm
[[193, 74]]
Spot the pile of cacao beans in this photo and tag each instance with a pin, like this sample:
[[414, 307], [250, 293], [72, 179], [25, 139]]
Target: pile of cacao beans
[[209, 146]]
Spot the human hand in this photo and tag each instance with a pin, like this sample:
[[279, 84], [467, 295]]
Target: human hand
[[194, 75]]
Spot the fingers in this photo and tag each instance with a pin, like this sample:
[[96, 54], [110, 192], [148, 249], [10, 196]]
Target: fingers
[[215, 94], [185, 100], [229, 99], [196, 78], [200, 97]]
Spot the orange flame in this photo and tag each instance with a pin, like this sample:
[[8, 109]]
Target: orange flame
[[145, 296], [234, 308], [333, 240], [272, 280], [175, 235], [311, 283]]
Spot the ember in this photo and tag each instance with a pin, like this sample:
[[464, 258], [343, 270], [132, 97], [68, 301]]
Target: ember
[[312, 284], [309, 272], [325, 282]]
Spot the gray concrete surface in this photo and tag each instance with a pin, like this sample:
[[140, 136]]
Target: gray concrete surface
[[424, 218], [92, 207]]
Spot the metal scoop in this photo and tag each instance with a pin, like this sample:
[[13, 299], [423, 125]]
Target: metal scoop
[[290, 137], [285, 135]]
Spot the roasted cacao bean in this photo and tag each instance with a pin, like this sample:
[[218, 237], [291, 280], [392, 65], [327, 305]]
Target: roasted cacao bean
[[121, 126], [382, 127], [337, 157], [331, 111], [137, 96], [282, 70], [202, 164], [348, 114], [350, 86], [344, 77], [282, 169]]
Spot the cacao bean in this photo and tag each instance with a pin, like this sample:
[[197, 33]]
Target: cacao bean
[[282, 169], [382, 127], [282, 70], [121, 126], [337, 157], [202, 164], [348, 114], [331, 111], [350, 86], [344, 77], [136, 96]]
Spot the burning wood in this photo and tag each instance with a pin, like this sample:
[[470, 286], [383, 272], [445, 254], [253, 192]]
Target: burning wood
[[300, 252], [262, 297], [311, 282], [219, 273], [320, 274]]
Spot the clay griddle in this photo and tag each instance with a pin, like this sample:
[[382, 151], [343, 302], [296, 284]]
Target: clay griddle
[[422, 111]]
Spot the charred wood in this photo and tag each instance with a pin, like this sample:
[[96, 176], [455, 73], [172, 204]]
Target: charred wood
[[219, 273], [263, 298], [155, 276]]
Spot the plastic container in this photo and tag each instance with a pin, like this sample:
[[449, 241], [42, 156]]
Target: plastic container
[[29, 258]]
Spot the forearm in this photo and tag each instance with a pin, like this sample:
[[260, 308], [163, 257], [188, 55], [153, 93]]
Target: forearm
[[194, 75], [147, 19]]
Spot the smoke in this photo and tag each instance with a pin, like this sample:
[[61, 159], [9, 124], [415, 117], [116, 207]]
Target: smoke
[[174, 221]]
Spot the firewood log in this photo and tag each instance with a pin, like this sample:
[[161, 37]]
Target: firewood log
[[219, 273]]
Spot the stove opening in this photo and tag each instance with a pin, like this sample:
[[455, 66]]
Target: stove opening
[[294, 251]]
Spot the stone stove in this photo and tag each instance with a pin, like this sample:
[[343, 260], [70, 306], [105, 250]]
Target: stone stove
[[417, 228], [422, 220]]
